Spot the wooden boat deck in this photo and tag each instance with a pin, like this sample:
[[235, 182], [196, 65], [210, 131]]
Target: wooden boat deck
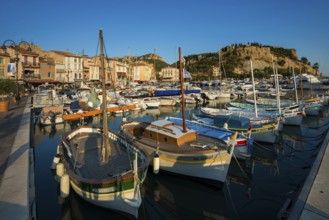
[[86, 148], [203, 144]]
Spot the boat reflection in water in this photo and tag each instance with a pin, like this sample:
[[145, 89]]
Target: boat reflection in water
[[164, 197], [172, 197]]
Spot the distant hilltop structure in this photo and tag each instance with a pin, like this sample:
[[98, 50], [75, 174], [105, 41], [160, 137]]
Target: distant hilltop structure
[[146, 57]]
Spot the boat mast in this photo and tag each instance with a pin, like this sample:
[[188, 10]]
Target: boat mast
[[182, 88], [295, 86], [219, 71], [105, 146], [276, 84], [301, 81], [277, 90], [253, 88]]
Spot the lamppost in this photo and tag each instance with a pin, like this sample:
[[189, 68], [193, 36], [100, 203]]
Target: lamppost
[[16, 48]]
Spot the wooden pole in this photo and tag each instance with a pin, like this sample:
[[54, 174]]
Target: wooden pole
[[182, 88], [105, 146]]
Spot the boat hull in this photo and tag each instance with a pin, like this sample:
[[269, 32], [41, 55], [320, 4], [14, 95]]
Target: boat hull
[[123, 201], [212, 167], [108, 187]]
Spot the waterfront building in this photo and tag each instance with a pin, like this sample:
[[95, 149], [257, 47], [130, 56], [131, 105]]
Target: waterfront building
[[22, 64], [47, 68], [72, 64], [169, 74], [143, 72], [4, 61]]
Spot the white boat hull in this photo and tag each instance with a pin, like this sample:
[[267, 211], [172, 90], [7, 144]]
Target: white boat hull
[[214, 169]]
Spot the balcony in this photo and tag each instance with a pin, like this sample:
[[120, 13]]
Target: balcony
[[60, 71], [30, 76], [30, 64]]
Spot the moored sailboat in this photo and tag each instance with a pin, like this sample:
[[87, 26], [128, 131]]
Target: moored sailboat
[[101, 166], [180, 150]]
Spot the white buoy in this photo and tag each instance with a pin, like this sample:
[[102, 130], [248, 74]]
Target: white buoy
[[65, 185], [156, 164], [60, 169], [55, 162], [124, 119], [226, 126], [57, 150]]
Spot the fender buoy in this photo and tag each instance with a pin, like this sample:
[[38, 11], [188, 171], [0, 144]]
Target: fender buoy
[[156, 164], [60, 169], [65, 186], [55, 161]]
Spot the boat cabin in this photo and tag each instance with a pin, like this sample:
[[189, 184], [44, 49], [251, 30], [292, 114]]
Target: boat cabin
[[167, 132]]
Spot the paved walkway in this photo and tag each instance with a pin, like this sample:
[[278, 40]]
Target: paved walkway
[[313, 200], [14, 161]]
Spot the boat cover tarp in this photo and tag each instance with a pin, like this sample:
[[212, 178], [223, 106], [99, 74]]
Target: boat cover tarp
[[204, 129], [75, 106], [233, 121], [171, 92]]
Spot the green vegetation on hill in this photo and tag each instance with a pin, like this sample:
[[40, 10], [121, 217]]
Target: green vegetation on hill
[[235, 61]]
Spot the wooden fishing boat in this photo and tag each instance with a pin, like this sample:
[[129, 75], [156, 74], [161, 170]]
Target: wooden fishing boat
[[101, 166], [266, 133], [84, 114], [180, 150], [262, 118], [51, 115], [242, 144]]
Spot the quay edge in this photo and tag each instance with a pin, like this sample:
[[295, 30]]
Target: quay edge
[[312, 202]]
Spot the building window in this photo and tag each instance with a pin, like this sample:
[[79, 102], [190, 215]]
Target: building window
[[1, 60], [2, 72]]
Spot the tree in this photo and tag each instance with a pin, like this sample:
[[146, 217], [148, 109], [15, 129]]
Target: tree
[[316, 67], [281, 62], [7, 86], [304, 60]]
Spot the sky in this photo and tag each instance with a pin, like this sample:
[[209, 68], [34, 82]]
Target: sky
[[139, 27]]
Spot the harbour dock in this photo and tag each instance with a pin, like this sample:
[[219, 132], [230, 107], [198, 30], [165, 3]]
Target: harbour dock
[[17, 174], [312, 202], [16, 162]]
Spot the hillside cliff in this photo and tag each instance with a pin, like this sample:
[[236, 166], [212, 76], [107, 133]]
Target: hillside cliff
[[234, 60]]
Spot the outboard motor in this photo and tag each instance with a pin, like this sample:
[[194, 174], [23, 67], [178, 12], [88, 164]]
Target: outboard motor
[[52, 117]]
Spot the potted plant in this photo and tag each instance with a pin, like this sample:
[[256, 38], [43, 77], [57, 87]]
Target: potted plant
[[7, 86]]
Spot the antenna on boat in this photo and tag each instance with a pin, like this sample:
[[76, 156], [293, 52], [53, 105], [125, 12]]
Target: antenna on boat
[[182, 88], [105, 146]]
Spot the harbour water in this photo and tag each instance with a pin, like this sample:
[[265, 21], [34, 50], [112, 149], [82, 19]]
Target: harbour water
[[254, 189]]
